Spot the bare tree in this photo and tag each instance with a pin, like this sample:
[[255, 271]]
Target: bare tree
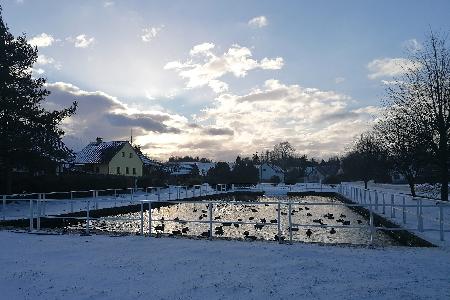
[[403, 140], [423, 93]]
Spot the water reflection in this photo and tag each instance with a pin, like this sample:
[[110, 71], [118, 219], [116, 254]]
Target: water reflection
[[226, 215]]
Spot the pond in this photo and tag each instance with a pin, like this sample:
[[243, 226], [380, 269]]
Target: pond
[[226, 214]]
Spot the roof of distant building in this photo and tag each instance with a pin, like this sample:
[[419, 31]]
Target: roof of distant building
[[99, 152]]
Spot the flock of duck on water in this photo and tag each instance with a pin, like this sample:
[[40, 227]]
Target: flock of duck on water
[[219, 230]]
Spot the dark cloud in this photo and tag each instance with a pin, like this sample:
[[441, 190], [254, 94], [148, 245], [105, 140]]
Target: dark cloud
[[148, 123], [218, 131], [101, 115]]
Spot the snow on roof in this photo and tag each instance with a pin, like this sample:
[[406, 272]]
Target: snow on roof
[[96, 153]]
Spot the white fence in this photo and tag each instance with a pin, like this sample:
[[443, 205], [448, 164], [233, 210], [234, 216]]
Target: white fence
[[413, 214]]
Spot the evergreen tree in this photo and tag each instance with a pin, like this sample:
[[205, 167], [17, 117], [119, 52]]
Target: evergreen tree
[[30, 136]]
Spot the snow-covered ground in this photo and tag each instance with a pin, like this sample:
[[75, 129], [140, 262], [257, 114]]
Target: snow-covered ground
[[102, 267]]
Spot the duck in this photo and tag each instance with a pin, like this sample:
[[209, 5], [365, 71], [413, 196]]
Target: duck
[[309, 214], [308, 232], [332, 231], [185, 230], [259, 226], [274, 221], [359, 221]]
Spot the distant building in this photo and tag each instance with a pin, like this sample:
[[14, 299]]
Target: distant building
[[185, 168], [321, 173], [114, 158], [267, 172], [314, 174]]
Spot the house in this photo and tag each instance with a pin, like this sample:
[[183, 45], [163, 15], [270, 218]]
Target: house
[[321, 173], [314, 174], [267, 172], [114, 158], [185, 168]]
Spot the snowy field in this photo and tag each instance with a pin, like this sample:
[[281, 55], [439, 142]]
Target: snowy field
[[102, 267]]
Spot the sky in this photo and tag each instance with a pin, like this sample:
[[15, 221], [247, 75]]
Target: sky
[[219, 79]]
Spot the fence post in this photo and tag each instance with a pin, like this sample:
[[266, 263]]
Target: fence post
[[290, 223], [31, 215], [38, 221], [279, 222], [142, 219], [420, 219], [159, 193], [376, 200], [384, 203], [149, 219], [404, 210], [93, 199], [365, 193], [441, 222], [392, 206], [371, 226], [71, 201], [210, 220], [44, 205], [4, 207], [87, 217]]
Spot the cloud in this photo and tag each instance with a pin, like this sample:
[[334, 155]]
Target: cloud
[[42, 40], [218, 131], [205, 68], [43, 60], [258, 22], [146, 122], [412, 45], [100, 114], [108, 3], [150, 33], [389, 67], [338, 80], [81, 41], [316, 122]]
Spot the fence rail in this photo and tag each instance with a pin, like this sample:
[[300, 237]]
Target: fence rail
[[404, 210]]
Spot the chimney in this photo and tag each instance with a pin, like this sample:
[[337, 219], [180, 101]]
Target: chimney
[[99, 140]]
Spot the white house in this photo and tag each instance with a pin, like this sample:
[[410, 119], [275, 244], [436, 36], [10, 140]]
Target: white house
[[314, 174], [268, 171], [185, 168]]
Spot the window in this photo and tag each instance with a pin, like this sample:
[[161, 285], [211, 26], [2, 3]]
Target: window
[[97, 170], [123, 154], [134, 171], [118, 170], [131, 155], [127, 170]]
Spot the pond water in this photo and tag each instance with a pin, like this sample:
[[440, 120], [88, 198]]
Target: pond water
[[226, 214]]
